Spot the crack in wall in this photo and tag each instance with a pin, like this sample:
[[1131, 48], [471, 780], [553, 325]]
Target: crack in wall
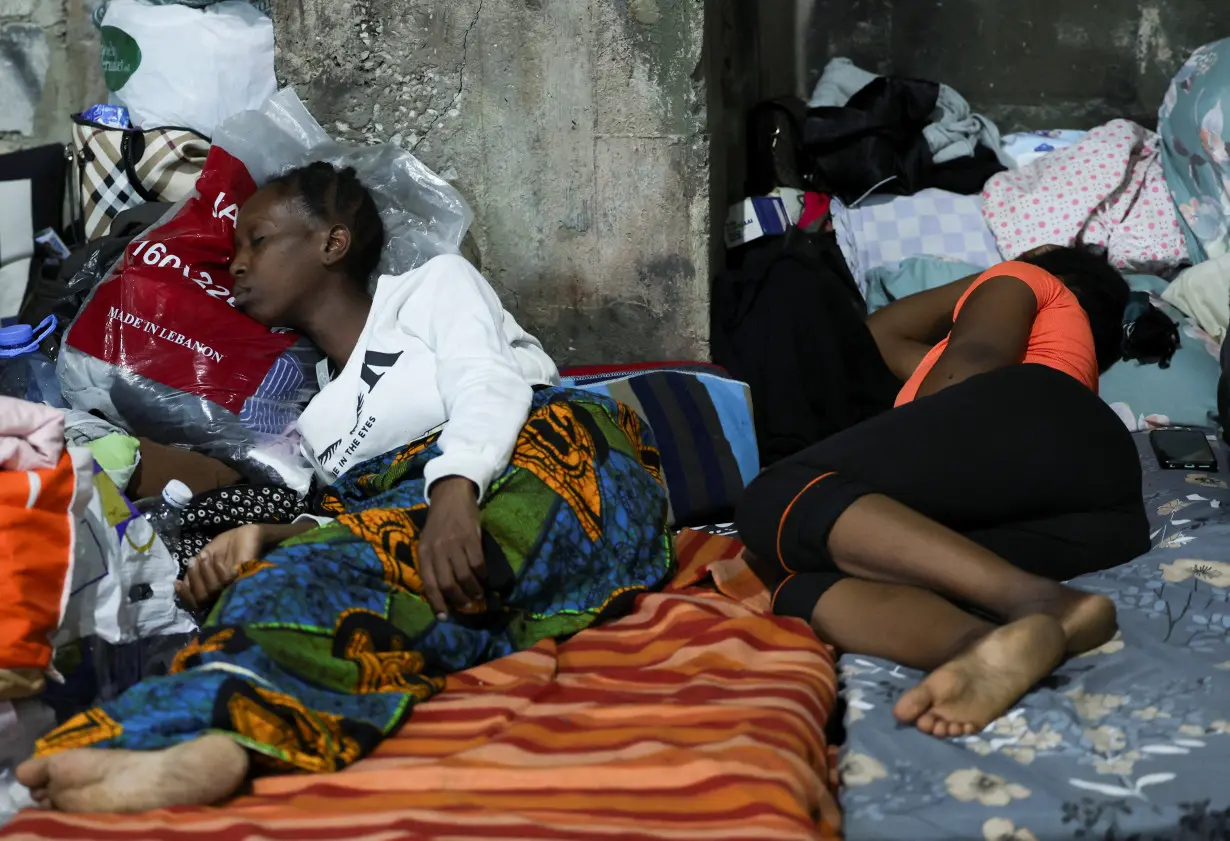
[[461, 78]]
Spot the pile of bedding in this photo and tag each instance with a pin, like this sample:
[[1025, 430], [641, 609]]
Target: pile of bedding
[[699, 715], [1131, 740]]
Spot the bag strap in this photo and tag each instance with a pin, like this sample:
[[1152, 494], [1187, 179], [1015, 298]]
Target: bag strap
[[132, 150]]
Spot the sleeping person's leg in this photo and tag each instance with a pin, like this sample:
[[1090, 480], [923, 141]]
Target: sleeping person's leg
[[890, 499], [974, 666], [884, 502], [879, 539], [202, 771]]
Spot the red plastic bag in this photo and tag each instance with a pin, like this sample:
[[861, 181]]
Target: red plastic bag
[[167, 314]]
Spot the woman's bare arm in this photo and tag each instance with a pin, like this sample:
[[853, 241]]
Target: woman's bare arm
[[991, 332], [907, 329]]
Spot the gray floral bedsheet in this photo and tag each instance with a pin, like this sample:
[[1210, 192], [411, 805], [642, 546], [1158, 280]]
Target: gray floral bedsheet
[[1130, 742]]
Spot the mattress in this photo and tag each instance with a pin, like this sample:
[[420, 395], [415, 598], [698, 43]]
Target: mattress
[[697, 716], [1131, 740]]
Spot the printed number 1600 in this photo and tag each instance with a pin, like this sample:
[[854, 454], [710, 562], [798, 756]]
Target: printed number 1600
[[155, 254]]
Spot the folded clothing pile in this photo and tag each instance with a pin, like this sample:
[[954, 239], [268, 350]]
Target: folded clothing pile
[[881, 232], [865, 133], [1106, 192]]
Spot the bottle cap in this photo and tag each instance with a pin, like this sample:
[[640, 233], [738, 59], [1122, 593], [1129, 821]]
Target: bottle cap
[[176, 493], [16, 340]]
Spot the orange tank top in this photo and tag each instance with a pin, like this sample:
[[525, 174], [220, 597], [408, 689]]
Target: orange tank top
[[1060, 338]]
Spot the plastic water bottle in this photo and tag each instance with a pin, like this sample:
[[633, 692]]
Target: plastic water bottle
[[25, 373], [165, 513]]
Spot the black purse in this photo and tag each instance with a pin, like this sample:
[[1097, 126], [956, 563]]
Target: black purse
[[1149, 335]]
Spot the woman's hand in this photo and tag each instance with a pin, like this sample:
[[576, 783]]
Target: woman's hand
[[217, 566], [451, 549], [218, 563]]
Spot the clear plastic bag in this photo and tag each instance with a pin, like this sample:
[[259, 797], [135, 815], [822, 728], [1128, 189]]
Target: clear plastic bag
[[423, 215], [159, 349]]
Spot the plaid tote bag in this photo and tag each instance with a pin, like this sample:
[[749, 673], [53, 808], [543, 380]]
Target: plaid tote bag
[[121, 168]]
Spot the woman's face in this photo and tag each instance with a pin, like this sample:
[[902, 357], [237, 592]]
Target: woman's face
[[277, 263]]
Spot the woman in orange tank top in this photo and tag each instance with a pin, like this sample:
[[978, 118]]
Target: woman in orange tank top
[[936, 534]]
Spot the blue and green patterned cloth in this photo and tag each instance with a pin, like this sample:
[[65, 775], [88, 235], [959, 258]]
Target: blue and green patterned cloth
[[1195, 150], [321, 648]]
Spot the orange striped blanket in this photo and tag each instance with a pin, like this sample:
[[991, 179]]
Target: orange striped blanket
[[697, 716]]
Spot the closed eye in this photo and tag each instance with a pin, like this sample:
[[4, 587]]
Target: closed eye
[[257, 241]]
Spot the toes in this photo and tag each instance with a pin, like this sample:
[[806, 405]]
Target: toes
[[941, 728], [913, 704], [35, 773]]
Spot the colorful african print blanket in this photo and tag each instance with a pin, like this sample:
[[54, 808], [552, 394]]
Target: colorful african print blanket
[[320, 650]]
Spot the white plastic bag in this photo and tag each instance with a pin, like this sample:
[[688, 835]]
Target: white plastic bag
[[123, 586], [423, 215], [172, 65]]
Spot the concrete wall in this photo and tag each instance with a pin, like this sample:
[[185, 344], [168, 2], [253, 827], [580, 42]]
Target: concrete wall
[[576, 129], [48, 69], [1050, 63]]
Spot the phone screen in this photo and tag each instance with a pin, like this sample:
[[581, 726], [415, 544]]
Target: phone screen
[[1182, 446]]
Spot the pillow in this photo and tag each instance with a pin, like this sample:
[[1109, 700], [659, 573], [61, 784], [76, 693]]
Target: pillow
[[1203, 292], [1185, 394], [884, 232], [917, 274], [579, 376], [705, 434], [1191, 123]]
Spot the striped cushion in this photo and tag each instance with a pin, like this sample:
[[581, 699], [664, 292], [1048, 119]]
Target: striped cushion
[[583, 375], [703, 425], [697, 717]]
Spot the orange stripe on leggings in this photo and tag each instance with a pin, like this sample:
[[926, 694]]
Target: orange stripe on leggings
[[782, 522], [785, 581]]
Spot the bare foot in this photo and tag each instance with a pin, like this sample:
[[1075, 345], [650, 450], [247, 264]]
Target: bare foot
[[1088, 620], [979, 685], [196, 773]]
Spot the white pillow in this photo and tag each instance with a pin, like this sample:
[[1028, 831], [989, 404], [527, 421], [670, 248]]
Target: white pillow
[[1203, 292]]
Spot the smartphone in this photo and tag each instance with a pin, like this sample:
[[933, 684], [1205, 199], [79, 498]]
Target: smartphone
[[1183, 449]]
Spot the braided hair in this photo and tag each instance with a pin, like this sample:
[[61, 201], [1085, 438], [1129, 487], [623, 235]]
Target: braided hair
[[1126, 325], [337, 197]]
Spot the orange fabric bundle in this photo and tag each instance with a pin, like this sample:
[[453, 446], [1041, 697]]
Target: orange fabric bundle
[[36, 555]]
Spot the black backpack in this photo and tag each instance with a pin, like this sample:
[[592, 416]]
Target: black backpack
[[789, 321]]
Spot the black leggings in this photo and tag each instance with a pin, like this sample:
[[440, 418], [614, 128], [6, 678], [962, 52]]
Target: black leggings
[[1025, 461]]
